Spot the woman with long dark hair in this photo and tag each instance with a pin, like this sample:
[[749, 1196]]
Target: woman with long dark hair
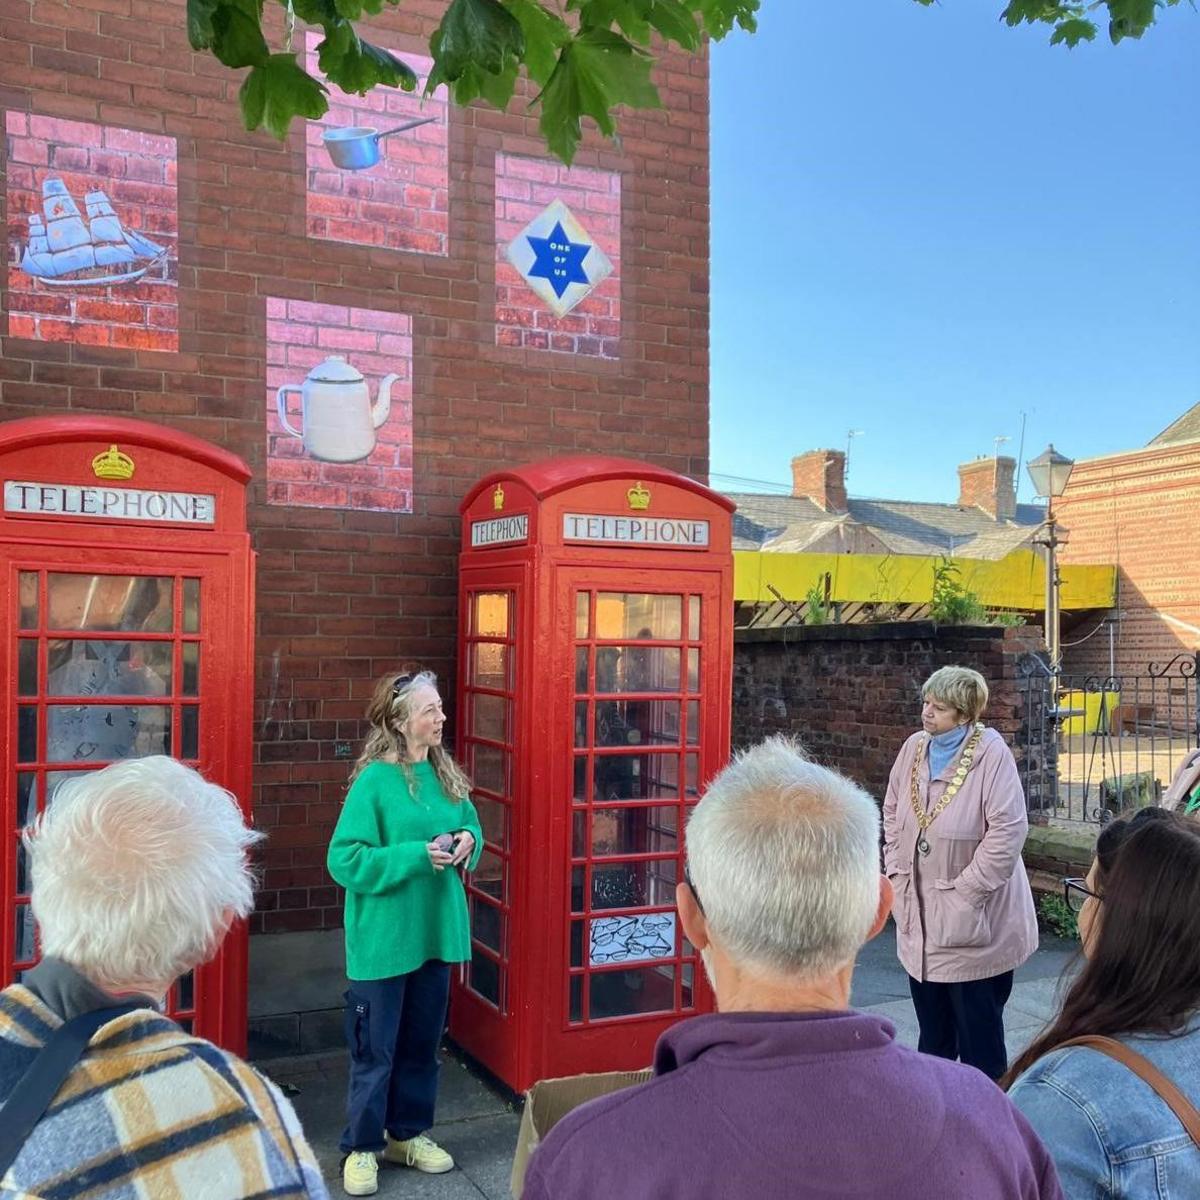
[[1111, 1133]]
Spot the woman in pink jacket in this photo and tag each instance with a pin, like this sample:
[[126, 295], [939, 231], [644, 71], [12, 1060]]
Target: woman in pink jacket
[[954, 824]]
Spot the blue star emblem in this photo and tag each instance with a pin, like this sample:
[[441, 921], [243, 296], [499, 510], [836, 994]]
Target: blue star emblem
[[558, 259]]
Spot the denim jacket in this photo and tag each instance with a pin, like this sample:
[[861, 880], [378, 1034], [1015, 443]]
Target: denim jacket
[[1110, 1135]]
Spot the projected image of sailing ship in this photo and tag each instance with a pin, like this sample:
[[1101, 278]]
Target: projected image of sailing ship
[[67, 249]]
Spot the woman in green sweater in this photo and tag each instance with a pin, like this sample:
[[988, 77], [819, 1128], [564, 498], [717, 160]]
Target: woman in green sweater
[[406, 826]]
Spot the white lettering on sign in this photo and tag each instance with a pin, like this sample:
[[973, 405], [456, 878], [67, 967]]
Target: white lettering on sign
[[659, 533], [500, 531], [109, 504]]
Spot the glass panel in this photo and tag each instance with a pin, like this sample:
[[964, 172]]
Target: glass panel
[[688, 981], [27, 733], [103, 668], [579, 835], [22, 871], [489, 664], [191, 669], [493, 818], [693, 722], [663, 878], [185, 992], [491, 614], [488, 876], [693, 678], [139, 603], [634, 830], [27, 599], [55, 780], [487, 924], [624, 993], [581, 777], [26, 798], [577, 943], [485, 978], [489, 717], [488, 768], [25, 945], [622, 885], [637, 615], [185, 1024], [577, 874], [631, 939], [576, 998], [692, 769], [27, 667], [637, 722], [582, 604], [581, 723], [191, 606], [637, 669], [694, 619], [635, 777], [581, 669], [189, 732], [104, 732]]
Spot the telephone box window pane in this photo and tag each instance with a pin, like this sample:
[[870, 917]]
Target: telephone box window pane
[[636, 777], [108, 668], [581, 723], [634, 831], [493, 819], [488, 768], [485, 978], [637, 615], [489, 665], [185, 1025], [693, 679], [25, 945], [627, 993], [489, 875], [27, 667], [191, 606], [581, 779], [692, 769], [688, 981], [103, 733], [637, 722], [693, 722], [185, 992], [621, 885], [22, 871], [191, 669], [489, 717], [576, 999], [581, 669], [27, 599], [55, 780], [694, 619], [637, 669], [582, 612], [133, 603], [26, 733], [491, 614], [639, 938], [663, 878], [189, 733], [577, 943], [26, 798], [579, 835], [487, 924], [577, 874]]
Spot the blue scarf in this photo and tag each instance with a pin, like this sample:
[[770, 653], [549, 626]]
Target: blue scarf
[[944, 746]]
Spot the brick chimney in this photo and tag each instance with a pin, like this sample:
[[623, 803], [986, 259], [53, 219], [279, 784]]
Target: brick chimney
[[990, 484], [820, 476]]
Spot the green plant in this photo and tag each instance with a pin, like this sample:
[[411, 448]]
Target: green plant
[[818, 605], [1057, 917], [952, 603], [1006, 619]]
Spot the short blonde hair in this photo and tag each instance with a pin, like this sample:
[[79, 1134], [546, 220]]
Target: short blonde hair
[[964, 689]]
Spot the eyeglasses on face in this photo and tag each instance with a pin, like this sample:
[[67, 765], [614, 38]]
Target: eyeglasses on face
[[1077, 893]]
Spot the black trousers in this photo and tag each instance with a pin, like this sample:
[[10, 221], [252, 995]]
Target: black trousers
[[394, 1028], [964, 1021]]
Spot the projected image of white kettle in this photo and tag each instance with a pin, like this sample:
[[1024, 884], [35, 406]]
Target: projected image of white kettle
[[338, 418]]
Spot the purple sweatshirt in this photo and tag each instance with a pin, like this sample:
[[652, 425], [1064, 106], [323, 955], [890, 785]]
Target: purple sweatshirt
[[802, 1106]]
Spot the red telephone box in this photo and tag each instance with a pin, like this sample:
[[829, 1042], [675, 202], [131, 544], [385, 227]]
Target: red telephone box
[[595, 669], [127, 630]]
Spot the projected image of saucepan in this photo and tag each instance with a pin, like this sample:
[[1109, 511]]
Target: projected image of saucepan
[[357, 146]]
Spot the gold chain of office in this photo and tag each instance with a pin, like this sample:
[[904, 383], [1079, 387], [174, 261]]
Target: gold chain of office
[[925, 819]]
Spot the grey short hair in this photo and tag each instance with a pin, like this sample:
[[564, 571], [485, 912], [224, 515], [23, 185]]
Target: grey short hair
[[138, 870], [965, 690], [784, 855]]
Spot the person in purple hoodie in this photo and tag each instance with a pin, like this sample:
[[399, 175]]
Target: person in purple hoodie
[[787, 1091]]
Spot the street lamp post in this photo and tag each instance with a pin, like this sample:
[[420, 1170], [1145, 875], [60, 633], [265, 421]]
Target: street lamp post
[[1050, 472]]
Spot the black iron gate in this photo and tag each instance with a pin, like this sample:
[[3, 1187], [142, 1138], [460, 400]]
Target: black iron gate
[[1093, 746]]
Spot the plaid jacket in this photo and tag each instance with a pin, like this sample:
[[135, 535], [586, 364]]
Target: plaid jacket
[[151, 1113]]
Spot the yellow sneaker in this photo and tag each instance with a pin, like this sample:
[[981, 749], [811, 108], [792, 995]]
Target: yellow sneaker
[[420, 1152], [360, 1173]]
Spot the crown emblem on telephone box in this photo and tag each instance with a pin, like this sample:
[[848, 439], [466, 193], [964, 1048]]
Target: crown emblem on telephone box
[[639, 497], [498, 497], [112, 464]]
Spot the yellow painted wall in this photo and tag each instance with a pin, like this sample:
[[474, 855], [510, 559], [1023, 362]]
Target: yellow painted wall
[[1017, 581]]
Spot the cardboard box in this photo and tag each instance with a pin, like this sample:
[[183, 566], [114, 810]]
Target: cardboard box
[[549, 1100]]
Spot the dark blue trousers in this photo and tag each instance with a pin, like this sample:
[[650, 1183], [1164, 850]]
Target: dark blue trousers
[[394, 1029], [964, 1021]]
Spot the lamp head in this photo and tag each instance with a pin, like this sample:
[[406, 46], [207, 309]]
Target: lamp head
[[1050, 472]]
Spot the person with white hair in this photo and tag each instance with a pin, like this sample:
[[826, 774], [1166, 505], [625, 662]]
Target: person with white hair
[[786, 1091], [138, 871]]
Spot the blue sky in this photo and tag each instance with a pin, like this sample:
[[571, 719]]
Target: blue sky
[[926, 223]]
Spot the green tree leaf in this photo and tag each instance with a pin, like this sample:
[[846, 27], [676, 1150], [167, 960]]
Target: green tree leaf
[[475, 33], [720, 16], [200, 23], [357, 66], [545, 35], [237, 34], [278, 90], [1073, 31]]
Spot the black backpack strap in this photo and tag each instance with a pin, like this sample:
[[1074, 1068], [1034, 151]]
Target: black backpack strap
[[36, 1089]]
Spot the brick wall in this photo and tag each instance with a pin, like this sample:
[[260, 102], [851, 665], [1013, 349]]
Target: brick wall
[[1138, 511], [344, 595], [851, 693]]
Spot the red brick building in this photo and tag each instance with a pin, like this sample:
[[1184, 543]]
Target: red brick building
[[249, 263]]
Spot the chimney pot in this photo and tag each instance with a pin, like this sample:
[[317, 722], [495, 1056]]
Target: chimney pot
[[820, 476], [990, 484]]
